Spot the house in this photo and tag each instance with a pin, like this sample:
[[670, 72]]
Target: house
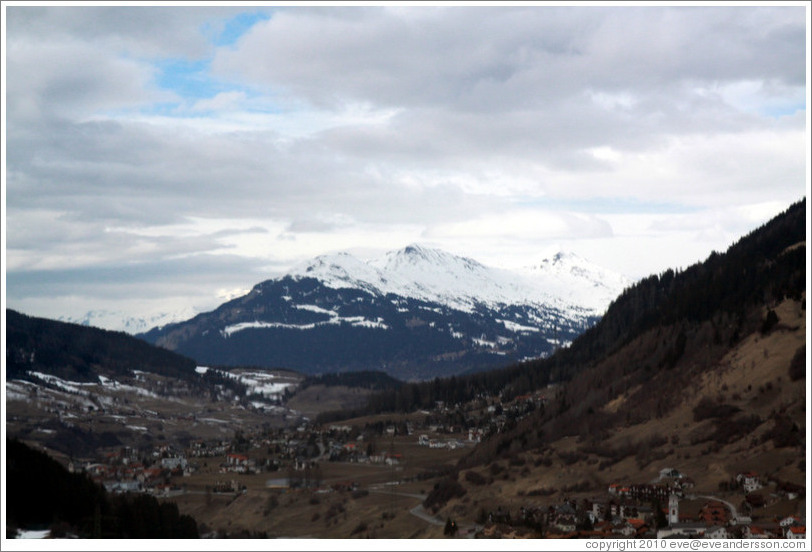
[[749, 481], [173, 463], [633, 527], [237, 459], [789, 521], [565, 524], [685, 530], [716, 532], [796, 532], [754, 532], [666, 473], [122, 486], [714, 512]]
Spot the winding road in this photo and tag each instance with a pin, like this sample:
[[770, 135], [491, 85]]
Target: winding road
[[420, 512]]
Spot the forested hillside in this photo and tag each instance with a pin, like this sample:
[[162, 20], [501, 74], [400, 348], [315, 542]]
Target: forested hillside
[[761, 268], [665, 336], [80, 353]]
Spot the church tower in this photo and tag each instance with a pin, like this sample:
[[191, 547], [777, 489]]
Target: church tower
[[673, 509]]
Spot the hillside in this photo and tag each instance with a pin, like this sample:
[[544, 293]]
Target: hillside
[[701, 370], [75, 389], [667, 331], [81, 353]]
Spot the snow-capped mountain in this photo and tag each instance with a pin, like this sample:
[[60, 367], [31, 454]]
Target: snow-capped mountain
[[120, 321], [576, 281], [415, 313], [565, 280]]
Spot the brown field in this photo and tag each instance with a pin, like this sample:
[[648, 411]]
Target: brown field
[[322, 513]]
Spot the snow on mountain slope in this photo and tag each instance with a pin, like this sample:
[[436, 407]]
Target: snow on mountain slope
[[122, 322], [416, 313], [565, 281], [575, 280]]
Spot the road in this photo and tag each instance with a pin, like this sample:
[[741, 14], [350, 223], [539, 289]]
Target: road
[[418, 511]]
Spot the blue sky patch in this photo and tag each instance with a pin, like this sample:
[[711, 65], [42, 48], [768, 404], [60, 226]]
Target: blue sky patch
[[237, 26], [189, 79]]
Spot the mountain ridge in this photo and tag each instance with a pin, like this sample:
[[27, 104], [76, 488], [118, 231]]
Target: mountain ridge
[[414, 313]]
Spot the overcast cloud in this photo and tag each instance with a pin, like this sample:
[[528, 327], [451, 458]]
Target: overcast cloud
[[160, 158]]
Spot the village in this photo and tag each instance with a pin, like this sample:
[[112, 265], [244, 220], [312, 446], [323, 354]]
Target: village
[[304, 459]]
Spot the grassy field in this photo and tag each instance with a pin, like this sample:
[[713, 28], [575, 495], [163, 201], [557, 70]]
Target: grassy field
[[380, 508]]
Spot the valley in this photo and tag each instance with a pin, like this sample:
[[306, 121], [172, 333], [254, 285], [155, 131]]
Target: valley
[[682, 413]]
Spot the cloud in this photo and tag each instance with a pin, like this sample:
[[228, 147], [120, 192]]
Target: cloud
[[222, 101], [146, 135]]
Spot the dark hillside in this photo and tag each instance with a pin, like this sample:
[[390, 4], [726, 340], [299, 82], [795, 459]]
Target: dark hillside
[[80, 353], [41, 493], [663, 336]]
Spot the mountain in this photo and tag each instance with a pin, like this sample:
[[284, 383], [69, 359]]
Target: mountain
[[415, 313], [122, 322]]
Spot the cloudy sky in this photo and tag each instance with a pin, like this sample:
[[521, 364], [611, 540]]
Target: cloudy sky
[[165, 157]]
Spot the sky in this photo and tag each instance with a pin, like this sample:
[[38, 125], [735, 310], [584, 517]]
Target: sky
[[168, 157]]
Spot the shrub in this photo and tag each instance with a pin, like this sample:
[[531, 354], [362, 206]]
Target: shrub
[[444, 491], [797, 366], [475, 478], [769, 322], [707, 408], [517, 461], [360, 528]]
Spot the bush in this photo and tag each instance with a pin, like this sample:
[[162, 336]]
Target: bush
[[475, 478], [516, 461], [360, 528], [570, 458], [732, 430], [797, 366], [444, 491], [785, 432], [769, 322], [707, 408]]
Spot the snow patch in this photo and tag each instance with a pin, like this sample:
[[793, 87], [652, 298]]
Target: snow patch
[[517, 328]]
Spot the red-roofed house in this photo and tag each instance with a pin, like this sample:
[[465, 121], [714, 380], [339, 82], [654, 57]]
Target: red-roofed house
[[754, 532], [789, 521], [796, 532], [749, 481]]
